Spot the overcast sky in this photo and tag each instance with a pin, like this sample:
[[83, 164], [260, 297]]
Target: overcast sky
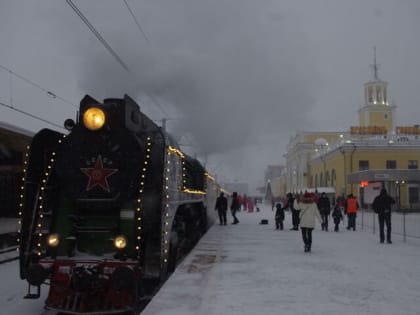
[[235, 78]]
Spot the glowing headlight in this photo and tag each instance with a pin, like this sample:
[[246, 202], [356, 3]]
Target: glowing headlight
[[53, 240], [120, 242], [94, 118]]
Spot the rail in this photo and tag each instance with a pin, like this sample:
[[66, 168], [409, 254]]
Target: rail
[[8, 254]]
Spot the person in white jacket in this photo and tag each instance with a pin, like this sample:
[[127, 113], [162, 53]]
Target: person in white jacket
[[308, 212]]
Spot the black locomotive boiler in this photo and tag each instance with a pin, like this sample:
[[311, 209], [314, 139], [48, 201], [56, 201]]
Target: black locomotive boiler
[[108, 210]]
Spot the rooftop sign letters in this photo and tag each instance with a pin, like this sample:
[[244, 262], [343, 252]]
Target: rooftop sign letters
[[368, 130], [414, 130]]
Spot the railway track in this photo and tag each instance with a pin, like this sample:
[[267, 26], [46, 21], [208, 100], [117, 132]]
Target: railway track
[[8, 254], [8, 247]]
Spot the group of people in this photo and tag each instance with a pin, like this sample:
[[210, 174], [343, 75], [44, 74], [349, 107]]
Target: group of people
[[222, 206], [307, 207]]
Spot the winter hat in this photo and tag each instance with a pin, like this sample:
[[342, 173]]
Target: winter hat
[[307, 195]]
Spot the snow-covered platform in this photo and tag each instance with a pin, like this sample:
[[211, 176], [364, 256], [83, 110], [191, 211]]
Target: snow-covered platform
[[254, 269]]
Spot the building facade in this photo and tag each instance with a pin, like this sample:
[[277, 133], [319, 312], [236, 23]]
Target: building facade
[[376, 153]]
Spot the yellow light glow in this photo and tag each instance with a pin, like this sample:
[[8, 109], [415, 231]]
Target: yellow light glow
[[176, 151], [94, 118], [53, 240], [120, 242], [190, 191]]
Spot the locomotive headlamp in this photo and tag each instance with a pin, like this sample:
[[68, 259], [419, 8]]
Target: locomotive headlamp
[[120, 242], [94, 118], [53, 240]]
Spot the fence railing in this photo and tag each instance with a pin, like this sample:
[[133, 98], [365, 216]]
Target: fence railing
[[405, 223]]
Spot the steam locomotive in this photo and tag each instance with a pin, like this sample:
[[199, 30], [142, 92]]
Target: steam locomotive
[[108, 210]]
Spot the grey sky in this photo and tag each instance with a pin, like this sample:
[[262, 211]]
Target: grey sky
[[237, 78]]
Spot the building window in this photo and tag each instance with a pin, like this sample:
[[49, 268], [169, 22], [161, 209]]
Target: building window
[[363, 165], [413, 164], [391, 164], [385, 116], [333, 178], [413, 194], [321, 180]]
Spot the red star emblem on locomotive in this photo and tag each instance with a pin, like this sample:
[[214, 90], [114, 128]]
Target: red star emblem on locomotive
[[98, 175]]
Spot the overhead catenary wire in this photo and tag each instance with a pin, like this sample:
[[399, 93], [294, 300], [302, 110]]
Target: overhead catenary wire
[[160, 106], [136, 21], [97, 35], [48, 92], [31, 115]]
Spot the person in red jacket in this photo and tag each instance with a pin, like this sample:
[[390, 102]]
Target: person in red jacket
[[351, 209]]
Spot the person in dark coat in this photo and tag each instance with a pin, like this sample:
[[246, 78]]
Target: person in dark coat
[[325, 209], [234, 207], [295, 213], [337, 216], [279, 217], [221, 207], [382, 206]]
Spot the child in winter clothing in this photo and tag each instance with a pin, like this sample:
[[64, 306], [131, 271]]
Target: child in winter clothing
[[337, 217], [279, 217]]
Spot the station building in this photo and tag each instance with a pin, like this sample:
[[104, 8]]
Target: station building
[[360, 160]]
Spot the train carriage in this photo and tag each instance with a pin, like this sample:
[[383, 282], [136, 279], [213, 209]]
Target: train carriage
[[109, 210]]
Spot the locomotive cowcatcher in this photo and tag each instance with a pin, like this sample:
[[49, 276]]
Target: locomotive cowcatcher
[[108, 210]]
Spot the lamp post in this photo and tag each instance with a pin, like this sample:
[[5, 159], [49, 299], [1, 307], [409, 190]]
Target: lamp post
[[351, 162], [398, 197], [343, 152]]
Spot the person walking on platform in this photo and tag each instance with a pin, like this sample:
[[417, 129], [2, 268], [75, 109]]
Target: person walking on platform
[[290, 203], [241, 201], [250, 205], [279, 217], [337, 216], [308, 212], [221, 207], [382, 206], [351, 209], [234, 207], [325, 209]]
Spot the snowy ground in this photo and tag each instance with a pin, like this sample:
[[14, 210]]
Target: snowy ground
[[254, 269]]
